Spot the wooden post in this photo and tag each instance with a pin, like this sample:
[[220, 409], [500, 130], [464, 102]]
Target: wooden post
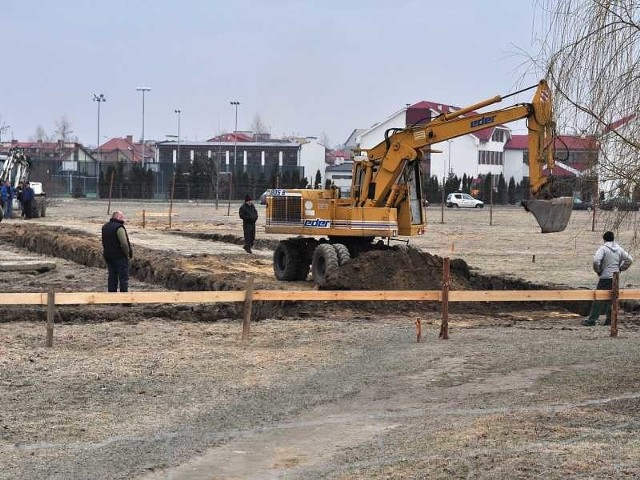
[[418, 329], [615, 293], [248, 301], [144, 218], [110, 192], [173, 189], [444, 326], [51, 313]]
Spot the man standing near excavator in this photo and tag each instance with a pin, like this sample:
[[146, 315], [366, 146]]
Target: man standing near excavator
[[249, 216], [117, 251], [610, 258]]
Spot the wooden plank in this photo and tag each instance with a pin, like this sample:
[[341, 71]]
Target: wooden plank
[[348, 295], [149, 297], [82, 298], [23, 298], [525, 295]]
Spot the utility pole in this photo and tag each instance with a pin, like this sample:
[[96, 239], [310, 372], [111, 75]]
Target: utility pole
[[143, 90], [100, 99]]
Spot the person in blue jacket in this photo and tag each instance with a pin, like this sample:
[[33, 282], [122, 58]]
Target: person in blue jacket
[[7, 199]]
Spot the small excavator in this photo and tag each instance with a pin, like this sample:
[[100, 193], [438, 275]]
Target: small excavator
[[386, 199]]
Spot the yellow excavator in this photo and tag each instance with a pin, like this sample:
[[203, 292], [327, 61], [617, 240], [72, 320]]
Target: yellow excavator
[[386, 199]]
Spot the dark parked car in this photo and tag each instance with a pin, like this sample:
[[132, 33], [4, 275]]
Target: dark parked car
[[580, 205], [619, 203]]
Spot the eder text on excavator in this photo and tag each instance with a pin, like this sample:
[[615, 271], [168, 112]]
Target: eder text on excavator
[[386, 199]]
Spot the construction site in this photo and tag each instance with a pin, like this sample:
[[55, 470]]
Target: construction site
[[322, 389]]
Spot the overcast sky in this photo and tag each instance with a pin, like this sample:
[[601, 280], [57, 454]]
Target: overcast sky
[[306, 67]]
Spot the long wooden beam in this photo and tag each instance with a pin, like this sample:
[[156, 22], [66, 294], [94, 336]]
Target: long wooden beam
[[95, 298]]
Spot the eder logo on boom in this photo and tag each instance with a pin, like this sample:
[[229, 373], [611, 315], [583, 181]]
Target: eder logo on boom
[[483, 121]]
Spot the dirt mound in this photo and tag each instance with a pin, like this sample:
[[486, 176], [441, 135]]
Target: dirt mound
[[397, 269]]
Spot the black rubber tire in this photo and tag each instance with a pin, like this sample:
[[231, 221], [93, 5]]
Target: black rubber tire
[[43, 209], [287, 261], [343, 253], [479, 206], [1, 214], [456, 205], [589, 209], [325, 261]]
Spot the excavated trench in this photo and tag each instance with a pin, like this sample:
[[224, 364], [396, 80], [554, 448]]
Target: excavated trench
[[395, 269]]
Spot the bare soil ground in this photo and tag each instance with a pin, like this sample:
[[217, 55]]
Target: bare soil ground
[[321, 390]]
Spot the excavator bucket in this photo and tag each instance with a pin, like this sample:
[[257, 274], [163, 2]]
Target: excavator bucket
[[552, 215]]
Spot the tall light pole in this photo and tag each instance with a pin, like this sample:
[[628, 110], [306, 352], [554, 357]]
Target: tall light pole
[[178, 154], [100, 99], [143, 90], [235, 137], [450, 141]]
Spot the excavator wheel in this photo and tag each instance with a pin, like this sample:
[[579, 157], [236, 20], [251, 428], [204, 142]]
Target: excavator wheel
[[325, 261], [1, 214], [288, 262], [343, 253]]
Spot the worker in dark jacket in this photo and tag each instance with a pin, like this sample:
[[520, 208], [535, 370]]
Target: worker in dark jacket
[[27, 200], [249, 216], [117, 251]]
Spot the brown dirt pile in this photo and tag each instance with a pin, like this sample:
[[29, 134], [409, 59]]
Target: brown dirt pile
[[398, 269]]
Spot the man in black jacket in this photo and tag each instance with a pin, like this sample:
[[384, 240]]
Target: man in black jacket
[[117, 252], [249, 216]]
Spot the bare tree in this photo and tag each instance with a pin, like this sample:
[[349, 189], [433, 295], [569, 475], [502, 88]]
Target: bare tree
[[258, 126], [591, 52], [40, 135], [63, 130]]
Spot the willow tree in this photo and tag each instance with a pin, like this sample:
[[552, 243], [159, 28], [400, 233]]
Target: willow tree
[[590, 50]]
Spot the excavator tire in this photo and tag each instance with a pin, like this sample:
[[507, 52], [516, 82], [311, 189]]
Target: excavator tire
[[43, 209], [343, 253], [1, 214], [325, 261], [288, 262]]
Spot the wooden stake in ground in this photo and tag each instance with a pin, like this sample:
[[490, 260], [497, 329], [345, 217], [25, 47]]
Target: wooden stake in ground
[[144, 218], [444, 326], [418, 329], [51, 313], [248, 301], [615, 294]]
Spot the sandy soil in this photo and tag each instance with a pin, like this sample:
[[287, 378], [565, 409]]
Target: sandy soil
[[159, 393]]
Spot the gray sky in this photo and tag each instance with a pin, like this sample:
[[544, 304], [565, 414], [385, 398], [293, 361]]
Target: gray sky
[[306, 67]]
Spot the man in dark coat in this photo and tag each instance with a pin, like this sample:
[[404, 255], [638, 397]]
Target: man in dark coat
[[117, 251], [249, 216], [27, 200]]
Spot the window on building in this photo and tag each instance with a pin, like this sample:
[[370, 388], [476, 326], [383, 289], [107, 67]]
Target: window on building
[[490, 157], [498, 136]]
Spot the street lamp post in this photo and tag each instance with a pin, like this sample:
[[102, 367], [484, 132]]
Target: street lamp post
[[235, 135], [178, 153], [143, 90], [450, 141], [100, 99]]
